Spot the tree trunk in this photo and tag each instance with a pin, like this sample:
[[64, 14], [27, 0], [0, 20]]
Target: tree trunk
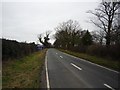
[[108, 39]]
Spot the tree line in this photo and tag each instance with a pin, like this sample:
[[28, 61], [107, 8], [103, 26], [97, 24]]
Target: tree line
[[70, 36], [14, 49], [103, 42]]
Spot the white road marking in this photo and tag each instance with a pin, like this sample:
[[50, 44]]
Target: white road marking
[[61, 57], [56, 53], [109, 86], [76, 66], [47, 79], [91, 63]]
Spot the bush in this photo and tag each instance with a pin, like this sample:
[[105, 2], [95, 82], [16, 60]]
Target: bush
[[103, 51], [114, 51]]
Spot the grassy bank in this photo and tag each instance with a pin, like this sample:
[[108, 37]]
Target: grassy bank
[[113, 64], [24, 72]]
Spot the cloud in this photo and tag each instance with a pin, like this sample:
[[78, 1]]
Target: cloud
[[23, 21]]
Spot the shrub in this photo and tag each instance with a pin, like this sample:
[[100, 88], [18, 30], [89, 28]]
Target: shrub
[[103, 51]]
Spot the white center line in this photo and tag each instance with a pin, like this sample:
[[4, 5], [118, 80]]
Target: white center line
[[76, 66], [61, 57], [109, 86]]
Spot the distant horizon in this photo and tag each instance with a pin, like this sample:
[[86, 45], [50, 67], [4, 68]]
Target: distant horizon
[[38, 42]]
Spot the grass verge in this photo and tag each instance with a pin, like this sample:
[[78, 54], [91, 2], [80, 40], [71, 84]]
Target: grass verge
[[24, 72], [113, 64]]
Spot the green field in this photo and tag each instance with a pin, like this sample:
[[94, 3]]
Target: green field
[[24, 72], [113, 64]]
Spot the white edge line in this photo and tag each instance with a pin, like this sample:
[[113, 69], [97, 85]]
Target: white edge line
[[109, 86], [76, 66], [92, 63], [47, 79]]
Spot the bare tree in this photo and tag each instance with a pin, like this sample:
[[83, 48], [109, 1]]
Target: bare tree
[[40, 38], [105, 14], [46, 39], [67, 34], [98, 36]]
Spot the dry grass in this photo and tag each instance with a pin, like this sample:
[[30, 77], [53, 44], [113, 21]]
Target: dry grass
[[23, 73]]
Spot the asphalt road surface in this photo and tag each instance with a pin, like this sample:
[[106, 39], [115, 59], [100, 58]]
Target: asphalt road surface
[[66, 71]]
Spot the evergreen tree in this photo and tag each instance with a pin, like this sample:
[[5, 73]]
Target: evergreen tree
[[87, 39]]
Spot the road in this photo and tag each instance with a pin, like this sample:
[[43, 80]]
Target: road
[[66, 71]]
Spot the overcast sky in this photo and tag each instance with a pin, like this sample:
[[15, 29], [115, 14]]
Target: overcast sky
[[23, 21]]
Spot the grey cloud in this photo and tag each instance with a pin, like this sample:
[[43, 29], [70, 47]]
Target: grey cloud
[[24, 20]]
